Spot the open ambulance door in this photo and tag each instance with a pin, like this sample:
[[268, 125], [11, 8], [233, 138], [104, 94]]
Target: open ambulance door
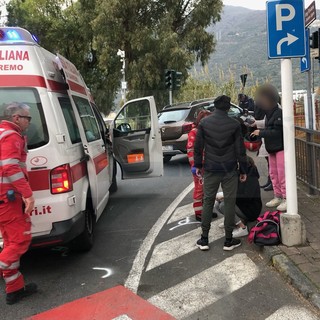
[[137, 142]]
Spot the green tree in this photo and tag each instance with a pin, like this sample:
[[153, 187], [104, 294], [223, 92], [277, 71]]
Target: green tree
[[64, 27], [155, 35]]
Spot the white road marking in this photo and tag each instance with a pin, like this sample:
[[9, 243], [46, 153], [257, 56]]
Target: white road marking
[[209, 286], [293, 312], [108, 272], [184, 222], [182, 212], [122, 317], [133, 280], [181, 245]]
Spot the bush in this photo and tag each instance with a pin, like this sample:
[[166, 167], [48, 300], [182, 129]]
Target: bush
[[202, 85]]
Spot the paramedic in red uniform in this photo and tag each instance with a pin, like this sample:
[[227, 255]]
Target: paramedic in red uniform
[[198, 181], [16, 200]]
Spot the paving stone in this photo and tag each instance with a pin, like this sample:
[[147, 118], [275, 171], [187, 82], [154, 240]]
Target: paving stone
[[289, 251], [315, 277], [307, 251], [316, 257], [315, 246], [309, 267], [299, 259]]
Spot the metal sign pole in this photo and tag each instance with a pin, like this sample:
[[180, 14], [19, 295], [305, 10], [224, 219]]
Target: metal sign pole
[[170, 97], [289, 136]]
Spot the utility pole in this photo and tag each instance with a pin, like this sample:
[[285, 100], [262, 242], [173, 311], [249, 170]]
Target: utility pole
[[169, 84], [122, 55]]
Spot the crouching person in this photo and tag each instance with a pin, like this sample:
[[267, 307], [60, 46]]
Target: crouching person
[[248, 202], [16, 201]]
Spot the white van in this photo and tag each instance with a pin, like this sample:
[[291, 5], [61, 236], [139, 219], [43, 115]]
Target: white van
[[71, 159]]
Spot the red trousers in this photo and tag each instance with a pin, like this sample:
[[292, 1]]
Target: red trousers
[[197, 196], [15, 227]]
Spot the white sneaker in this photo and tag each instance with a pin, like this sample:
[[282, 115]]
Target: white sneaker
[[274, 202], [283, 206], [240, 232]]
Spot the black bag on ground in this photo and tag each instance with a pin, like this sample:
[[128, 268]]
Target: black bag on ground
[[267, 230]]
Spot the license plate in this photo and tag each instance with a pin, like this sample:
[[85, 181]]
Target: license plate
[[167, 148]]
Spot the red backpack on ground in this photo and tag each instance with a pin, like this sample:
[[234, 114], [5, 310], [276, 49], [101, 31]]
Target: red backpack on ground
[[267, 231]]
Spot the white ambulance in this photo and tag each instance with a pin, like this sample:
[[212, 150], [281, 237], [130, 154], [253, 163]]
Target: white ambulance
[[71, 159]]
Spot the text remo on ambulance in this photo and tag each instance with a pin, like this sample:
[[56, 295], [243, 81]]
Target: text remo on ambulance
[[72, 156]]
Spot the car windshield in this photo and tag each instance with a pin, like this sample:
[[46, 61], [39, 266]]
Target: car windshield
[[173, 115], [234, 112], [37, 133]]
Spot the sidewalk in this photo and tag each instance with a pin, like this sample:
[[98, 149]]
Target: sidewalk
[[300, 265]]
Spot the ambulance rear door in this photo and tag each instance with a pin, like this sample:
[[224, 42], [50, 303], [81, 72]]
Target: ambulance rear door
[[137, 144], [93, 143]]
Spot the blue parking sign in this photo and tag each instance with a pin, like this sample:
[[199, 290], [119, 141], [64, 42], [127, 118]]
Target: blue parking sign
[[286, 29]]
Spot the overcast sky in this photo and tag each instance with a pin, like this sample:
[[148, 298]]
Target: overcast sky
[[254, 4]]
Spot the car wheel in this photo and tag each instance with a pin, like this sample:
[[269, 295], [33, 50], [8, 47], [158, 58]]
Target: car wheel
[[166, 159], [114, 185], [84, 242]]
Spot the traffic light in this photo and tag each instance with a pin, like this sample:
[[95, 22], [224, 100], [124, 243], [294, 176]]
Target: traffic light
[[314, 43], [177, 80], [169, 79]]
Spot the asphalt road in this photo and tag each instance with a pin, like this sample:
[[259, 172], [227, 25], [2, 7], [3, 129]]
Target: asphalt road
[[174, 275]]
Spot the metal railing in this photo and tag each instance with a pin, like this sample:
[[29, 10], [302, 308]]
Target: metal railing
[[308, 158]]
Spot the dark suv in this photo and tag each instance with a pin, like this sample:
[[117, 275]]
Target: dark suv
[[176, 122]]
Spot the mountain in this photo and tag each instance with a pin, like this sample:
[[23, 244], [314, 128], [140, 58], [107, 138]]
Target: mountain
[[242, 47]]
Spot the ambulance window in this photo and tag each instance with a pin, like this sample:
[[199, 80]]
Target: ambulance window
[[37, 132], [70, 119], [88, 119]]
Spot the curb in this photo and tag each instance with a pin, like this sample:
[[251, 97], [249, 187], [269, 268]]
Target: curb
[[291, 273]]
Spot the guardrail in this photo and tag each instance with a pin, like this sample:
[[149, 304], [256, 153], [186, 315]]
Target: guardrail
[[308, 158]]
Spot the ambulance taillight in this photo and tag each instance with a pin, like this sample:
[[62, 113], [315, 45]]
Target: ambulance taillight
[[61, 179]]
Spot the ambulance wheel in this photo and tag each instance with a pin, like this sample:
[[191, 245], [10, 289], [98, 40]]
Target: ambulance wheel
[[84, 242], [114, 185], [167, 159]]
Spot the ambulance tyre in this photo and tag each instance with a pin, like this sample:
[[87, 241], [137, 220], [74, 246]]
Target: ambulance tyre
[[114, 185], [167, 159], [84, 242]]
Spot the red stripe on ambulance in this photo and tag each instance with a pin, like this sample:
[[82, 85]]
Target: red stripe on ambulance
[[22, 81], [100, 162], [77, 87], [79, 171]]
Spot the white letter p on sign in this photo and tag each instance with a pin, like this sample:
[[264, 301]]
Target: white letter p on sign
[[283, 18]]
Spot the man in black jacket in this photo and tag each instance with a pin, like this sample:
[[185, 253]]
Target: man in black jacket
[[220, 141]]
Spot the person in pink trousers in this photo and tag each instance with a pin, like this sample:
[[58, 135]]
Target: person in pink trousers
[[268, 99]]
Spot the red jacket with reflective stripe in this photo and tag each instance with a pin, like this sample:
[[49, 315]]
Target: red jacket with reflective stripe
[[13, 172], [190, 145]]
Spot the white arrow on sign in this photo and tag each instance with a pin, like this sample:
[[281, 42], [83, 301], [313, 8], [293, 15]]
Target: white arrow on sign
[[305, 61], [289, 38]]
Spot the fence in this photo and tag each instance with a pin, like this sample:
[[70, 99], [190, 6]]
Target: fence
[[308, 158]]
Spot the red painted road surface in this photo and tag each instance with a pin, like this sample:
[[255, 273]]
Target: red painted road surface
[[106, 305]]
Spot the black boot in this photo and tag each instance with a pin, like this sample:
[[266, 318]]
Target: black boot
[[267, 183], [16, 296]]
